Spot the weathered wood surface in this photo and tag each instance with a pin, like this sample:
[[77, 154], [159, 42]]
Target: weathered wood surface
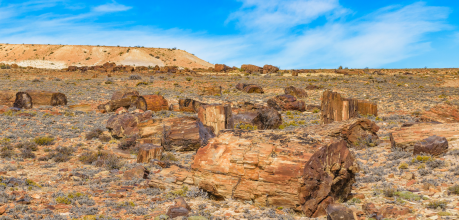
[[148, 152], [336, 108], [218, 117], [47, 98]]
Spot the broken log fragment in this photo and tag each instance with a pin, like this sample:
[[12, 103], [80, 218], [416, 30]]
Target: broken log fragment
[[23, 100], [286, 103], [148, 152], [124, 93], [249, 88], [218, 117], [261, 119], [47, 98], [155, 103], [336, 108], [189, 105]]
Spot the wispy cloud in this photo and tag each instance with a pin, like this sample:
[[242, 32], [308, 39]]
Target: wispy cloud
[[273, 32], [111, 7]]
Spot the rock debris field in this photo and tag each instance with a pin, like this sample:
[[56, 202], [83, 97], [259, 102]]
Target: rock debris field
[[234, 145]]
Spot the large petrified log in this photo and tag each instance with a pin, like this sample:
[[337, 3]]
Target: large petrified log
[[407, 137], [7, 97], [148, 152], [249, 88], [266, 170], [211, 90], [336, 108], [181, 134], [286, 103], [123, 125], [221, 68], [251, 68], [297, 92], [47, 98], [218, 117], [270, 69], [328, 176], [263, 118], [124, 93], [189, 105]]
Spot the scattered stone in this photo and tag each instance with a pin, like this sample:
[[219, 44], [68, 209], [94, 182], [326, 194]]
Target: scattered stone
[[433, 145], [249, 88], [339, 212], [297, 92], [286, 103]]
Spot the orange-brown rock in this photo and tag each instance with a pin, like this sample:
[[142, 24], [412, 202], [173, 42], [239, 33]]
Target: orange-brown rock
[[297, 92], [286, 103], [251, 68], [312, 87], [23, 100], [47, 98], [406, 137], [339, 212], [138, 172], [221, 68], [14, 66], [180, 208], [124, 103], [433, 145], [262, 119], [124, 93], [270, 69], [126, 124], [249, 88], [336, 108], [181, 134], [443, 113], [211, 90], [189, 105], [328, 176], [266, 170], [148, 152], [7, 97], [155, 103], [217, 117]]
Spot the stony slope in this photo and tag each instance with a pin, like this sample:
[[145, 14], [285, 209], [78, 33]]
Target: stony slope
[[62, 56]]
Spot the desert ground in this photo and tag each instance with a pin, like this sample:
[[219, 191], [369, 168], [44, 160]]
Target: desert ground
[[207, 147]]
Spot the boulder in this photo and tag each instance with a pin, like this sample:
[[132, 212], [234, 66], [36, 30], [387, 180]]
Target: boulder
[[407, 137], [126, 124], [259, 166], [153, 102], [433, 145], [327, 177], [148, 152], [180, 208], [339, 212], [249, 68], [249, 88], [286, 103], [360, 133], [297, 92], [221, 68], [336, 108], [217, 117], [270, 69]]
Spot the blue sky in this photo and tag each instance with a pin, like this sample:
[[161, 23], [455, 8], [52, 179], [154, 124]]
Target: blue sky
[[288, 33]]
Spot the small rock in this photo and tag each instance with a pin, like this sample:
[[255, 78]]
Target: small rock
[[339, 212]]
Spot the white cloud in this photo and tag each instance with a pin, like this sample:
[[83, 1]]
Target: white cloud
[[111, 7], [273, 33]]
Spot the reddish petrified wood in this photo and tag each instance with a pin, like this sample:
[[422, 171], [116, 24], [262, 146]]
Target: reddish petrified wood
[[249, 88], [148, 152], [47, 98], [286, 103], [297, 92], [218, 117], [336, 108]]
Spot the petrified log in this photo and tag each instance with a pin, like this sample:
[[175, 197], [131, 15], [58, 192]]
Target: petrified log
[[23, 100], [181, 134], [7, 97], [406, 137], [286, 103], [126, 124], [155, 103], [312, 87], [270, 69], [148, 152], [211, 90], [249, 88], [297, 92], [433, 145], [180, 208], [266, 169], [251, 68], [294, 73], [124, 102], [124, 93], [327, 177], [138, 172], [443, 113], [336, 108], [190, 105], [221, 68], [47, 98], [263, 118], [218, 117]]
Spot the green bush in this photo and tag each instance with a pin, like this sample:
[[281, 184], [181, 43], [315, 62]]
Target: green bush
[[43, 141]]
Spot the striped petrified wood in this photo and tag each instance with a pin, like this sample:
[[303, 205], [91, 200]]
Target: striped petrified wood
[[336, 108]]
